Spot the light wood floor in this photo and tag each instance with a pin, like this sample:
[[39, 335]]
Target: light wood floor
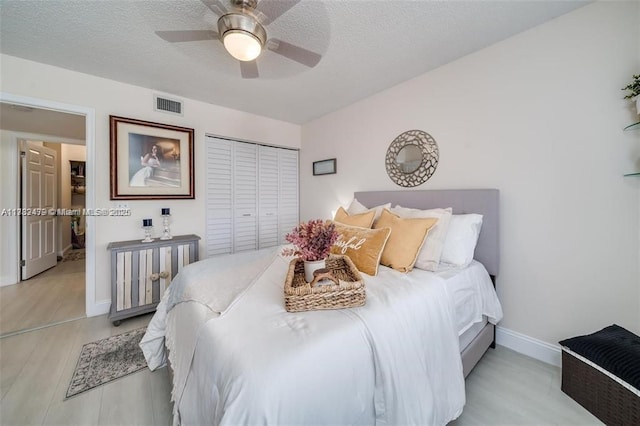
[[55, 295], [505, 388], [36, 368]]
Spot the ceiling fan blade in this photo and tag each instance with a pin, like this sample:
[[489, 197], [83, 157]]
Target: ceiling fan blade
[[295, 53], [187, 35], [215, 6], [274, 9], [249, 69]]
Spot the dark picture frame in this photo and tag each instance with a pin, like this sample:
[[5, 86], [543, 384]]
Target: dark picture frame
[[150, 161], [324, 167]]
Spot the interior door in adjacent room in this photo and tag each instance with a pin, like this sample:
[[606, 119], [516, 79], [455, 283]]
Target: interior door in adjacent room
[[39, 177]]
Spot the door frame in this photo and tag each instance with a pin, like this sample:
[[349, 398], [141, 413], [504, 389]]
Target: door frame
[[91, 307]]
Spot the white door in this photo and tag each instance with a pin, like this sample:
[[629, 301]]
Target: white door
[[219, 196], [245, 196], [39, 183], [252, 195], [267, 196]]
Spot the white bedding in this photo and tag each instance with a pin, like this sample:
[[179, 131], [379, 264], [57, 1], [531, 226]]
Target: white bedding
[[473, 295], [242, 359]]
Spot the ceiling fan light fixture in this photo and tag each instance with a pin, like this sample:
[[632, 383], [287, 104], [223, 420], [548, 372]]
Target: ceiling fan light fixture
[[242, 36], [242, 45]]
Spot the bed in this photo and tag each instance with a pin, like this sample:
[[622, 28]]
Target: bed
[[238, 357], [476, 341]]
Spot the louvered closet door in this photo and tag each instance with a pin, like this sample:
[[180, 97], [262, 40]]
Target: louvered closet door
[[252, 195], [288, 192], [268, 196], [219, 231], [245, 196]]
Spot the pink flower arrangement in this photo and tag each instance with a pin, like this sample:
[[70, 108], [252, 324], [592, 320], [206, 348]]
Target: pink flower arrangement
[[311, 240]]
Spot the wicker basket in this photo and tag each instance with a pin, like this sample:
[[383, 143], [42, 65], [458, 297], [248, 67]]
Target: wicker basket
[[300, 296], [605, 398]]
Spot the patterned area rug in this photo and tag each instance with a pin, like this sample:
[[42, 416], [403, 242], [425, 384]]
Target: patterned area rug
[[74, 255], [108, 359]]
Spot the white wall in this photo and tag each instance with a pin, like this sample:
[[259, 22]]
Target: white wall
[[538, 116], [107, 97], [8, 195]]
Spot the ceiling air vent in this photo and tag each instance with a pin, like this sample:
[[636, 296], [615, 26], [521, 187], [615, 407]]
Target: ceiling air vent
[[165, 104]]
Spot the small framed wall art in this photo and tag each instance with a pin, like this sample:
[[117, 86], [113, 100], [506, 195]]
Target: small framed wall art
[[150, 160], [324, 167]]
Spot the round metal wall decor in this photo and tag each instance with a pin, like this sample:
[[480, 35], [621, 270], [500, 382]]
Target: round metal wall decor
[[412, 158]]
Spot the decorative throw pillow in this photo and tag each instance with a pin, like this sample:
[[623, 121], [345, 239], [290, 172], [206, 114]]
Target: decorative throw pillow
[[460, 242], [406, 239], [363, 220], [364, 246], [356, 207], [431, 251]]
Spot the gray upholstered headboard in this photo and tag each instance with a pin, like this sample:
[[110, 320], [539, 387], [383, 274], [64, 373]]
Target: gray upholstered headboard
[[481, 201]]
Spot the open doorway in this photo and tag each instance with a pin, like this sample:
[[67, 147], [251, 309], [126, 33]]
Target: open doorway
[[61, 293]]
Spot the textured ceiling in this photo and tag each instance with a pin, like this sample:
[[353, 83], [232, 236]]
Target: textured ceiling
[[366, 46]]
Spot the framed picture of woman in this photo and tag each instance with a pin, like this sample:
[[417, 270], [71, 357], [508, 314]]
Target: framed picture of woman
[[150, 160]]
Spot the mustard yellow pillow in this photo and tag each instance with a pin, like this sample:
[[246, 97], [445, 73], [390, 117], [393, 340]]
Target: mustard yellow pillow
[[406, 240], [364, 246], [363, 220]]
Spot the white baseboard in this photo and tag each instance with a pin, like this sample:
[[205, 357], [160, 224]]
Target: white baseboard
[[99, 308], [529, 346], [7, 280]]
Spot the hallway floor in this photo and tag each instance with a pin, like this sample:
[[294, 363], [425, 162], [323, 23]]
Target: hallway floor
[[51, 297]]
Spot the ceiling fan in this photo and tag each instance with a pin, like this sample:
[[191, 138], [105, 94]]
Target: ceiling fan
[[242, 32]]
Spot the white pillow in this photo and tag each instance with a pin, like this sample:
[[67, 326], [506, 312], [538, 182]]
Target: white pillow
[[431, 251], [357, 208], [460, 242]]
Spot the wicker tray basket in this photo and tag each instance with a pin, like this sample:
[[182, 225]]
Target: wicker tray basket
[[300, 296]]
